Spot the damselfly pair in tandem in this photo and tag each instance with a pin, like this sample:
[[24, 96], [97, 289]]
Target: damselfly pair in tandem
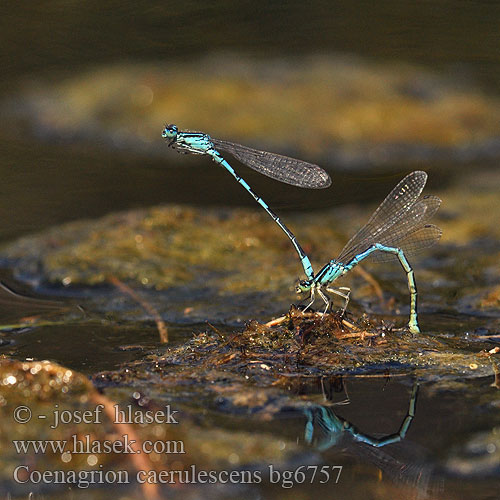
[[398, 228]]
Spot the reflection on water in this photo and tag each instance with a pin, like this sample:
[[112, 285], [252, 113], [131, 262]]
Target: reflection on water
[[331, 427]]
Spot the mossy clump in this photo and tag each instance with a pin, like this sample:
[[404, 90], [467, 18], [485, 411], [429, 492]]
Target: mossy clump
[[264, 359]]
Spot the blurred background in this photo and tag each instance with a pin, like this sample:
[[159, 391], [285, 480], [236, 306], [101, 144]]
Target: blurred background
[[369, 90]]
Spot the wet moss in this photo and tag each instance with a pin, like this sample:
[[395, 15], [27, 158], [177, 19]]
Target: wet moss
[[260, 366], [162, 247]]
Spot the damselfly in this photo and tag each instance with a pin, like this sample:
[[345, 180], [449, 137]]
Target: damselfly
[[331, 427], [397, 229], [282, 168]]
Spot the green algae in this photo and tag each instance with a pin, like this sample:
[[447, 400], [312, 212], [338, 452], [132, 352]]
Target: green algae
[[213, 264], [339, 110], [161, 247], [45, 388], [39, 386]]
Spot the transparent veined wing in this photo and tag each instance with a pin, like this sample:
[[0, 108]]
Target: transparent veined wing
[[393, 212], [278, 167], [416, 218], [414, 242]]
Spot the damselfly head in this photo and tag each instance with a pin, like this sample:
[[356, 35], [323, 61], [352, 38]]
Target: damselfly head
[[303, 286], [170, 132]]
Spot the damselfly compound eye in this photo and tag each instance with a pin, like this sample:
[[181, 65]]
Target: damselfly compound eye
[[169, 132]]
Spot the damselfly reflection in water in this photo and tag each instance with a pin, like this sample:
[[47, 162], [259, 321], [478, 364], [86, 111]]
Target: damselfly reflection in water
[[397, 229], [323, 418]]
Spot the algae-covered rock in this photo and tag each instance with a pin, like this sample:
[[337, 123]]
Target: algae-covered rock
[[192, 264], [160, 247], [42, 401], [338, 110], [195, 265], [31, 394]]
